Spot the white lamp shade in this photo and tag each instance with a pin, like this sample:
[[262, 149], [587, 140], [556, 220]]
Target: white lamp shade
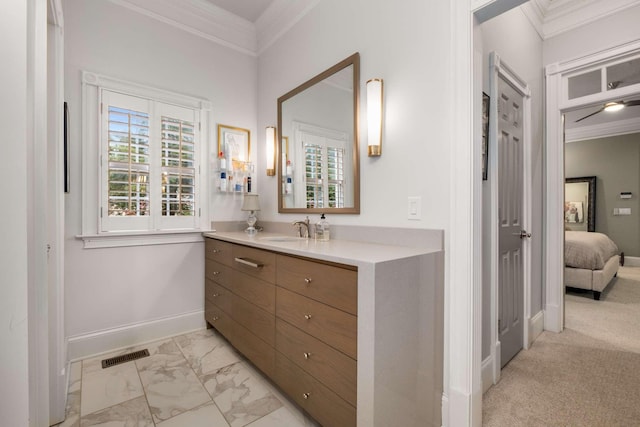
[[374, 116], [271, 150], [250, 202]]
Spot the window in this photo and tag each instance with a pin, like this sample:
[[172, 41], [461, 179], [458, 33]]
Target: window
[[324, 172], [149, 145], [150, 166]]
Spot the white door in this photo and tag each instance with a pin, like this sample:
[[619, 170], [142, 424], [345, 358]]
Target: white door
[[510, 145]]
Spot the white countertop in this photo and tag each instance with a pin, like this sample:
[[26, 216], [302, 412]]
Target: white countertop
[[340, 251]]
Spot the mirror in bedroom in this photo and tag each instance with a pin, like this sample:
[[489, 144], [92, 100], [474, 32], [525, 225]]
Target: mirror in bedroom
[[580, 203]]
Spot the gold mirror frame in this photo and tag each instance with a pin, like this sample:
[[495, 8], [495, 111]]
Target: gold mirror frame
[[353, 60]]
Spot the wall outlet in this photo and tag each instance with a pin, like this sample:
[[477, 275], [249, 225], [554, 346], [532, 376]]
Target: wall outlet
[[414, 210]]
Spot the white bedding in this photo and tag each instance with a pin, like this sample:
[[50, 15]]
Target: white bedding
[[588, 250]]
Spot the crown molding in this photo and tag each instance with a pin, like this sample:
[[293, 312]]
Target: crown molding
[[279, 17], [551, 18], [200, 18], [603, 130], [203, 19]]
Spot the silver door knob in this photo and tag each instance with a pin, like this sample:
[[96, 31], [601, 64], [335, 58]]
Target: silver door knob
[[307, 355], [307, 316], [522, 234], [306, 395]]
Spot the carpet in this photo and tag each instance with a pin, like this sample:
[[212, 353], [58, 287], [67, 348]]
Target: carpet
[[588, 375]]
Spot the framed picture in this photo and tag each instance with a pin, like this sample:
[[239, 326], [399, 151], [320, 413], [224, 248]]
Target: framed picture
[[485, 136], [235, 144], [65, 154]]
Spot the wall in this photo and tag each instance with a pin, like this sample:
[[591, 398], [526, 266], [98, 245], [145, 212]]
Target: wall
[[14, 358], [404, 45], [512, 36], [593, 37], [615, 161], [132, 286]]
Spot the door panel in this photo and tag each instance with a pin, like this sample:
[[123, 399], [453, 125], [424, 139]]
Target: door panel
[[510, 198]]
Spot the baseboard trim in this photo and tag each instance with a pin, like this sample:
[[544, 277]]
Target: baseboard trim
[[487, 374], [94, 343], [631, 261], [536, 326]]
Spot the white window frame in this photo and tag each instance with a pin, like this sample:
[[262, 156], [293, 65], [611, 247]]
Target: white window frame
[[94, 234]]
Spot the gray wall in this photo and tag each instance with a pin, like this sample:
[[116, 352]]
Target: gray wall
[[615, 161]]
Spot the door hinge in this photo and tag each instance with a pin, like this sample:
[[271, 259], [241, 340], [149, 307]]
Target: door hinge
[[499, 325], [101, 104], [199, 211], [100, 211]]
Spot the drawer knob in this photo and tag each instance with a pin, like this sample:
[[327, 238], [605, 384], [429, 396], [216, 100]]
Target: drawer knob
[[306, 395], [307, 316], [307, 280], [307, 355], [215, 273], [215, 318], [216, 251], [216, 295]]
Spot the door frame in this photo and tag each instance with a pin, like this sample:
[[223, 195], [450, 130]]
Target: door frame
[[499, 69], [557, 104]]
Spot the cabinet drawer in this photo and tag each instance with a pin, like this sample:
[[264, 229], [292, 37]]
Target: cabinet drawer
[[323, 404], [256, 291], [334, 369], [330, 325], [256, 350], [218, 319], [258, 321], [331, 285], [218, 250], [255, 262], [218, 295], [218, 272]]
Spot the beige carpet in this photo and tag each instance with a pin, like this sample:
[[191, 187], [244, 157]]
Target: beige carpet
[[588, 375]]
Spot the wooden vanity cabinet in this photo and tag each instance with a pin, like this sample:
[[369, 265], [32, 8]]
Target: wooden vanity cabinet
[[294, 318]]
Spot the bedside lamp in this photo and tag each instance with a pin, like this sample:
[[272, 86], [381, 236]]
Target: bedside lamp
[[250, 203]]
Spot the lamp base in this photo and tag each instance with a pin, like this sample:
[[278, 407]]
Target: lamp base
[[251, 230], [251, 221]]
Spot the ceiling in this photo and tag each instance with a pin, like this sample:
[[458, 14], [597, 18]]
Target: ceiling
[[250, 10]]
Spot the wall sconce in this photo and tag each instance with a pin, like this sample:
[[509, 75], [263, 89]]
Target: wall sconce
[[271, 151], [374, 116]]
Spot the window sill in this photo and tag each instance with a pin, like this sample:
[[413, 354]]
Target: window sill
[[138, 238]]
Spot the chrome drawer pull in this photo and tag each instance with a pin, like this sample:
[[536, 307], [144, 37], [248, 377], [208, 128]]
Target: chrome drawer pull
[[307, 355], [307, 316], [307, 280], [216, 251], [215, 273], [216, 295], [249, 262], [215, 318], [306, 395]]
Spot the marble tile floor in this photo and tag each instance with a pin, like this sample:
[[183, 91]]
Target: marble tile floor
[[191, 380]]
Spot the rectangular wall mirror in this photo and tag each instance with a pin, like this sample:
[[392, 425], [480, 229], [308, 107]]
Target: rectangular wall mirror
[[318, 167], [580, 204]]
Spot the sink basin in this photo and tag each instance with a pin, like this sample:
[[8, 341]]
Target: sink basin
[[281, 238]]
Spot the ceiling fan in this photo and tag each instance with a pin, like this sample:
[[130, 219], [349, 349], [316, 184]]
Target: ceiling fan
[[612, 106]]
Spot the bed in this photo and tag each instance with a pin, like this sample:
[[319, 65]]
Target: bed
[[591, 261]]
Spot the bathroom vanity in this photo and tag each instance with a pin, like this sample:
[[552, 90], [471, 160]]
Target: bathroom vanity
[[350, 331]]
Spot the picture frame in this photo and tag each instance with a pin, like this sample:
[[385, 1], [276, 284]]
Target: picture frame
[[65, 147], [235, 144], [485, 136]]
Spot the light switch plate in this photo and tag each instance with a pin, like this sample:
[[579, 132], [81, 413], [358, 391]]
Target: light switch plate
[[414, 210]]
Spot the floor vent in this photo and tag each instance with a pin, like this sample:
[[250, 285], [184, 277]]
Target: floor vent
[[107, 363]]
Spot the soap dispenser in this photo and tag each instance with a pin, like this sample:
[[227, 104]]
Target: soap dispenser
[[322, 229]]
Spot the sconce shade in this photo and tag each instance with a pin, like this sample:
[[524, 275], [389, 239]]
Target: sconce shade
[[374, 117], [271, 151], [250, 202]]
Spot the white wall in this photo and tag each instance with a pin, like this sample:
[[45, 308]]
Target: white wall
[[609, 31], [14, 392], [109, 288], [402, 43], [513, 37]]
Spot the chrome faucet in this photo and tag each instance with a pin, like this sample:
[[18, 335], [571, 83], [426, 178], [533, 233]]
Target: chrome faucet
[[300, 225]]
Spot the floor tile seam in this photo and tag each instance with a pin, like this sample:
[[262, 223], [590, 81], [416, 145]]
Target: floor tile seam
[[144, 393]]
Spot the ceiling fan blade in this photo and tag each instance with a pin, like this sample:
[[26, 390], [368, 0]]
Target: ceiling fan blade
[[589, 115]]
